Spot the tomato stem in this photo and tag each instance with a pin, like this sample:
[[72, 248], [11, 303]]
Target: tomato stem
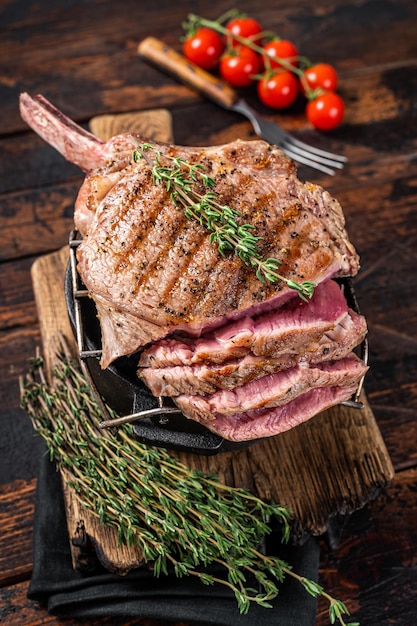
[[275, 66], [196, 21]]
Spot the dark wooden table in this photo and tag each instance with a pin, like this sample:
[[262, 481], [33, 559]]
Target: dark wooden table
[[82, 56]]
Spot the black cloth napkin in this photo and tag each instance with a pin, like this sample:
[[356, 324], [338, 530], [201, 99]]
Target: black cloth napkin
[[68, 593]]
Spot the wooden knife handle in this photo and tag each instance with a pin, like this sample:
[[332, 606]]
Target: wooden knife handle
[[165, 57]]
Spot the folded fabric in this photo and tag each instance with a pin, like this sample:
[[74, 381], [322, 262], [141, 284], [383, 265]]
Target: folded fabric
[[68, 593]]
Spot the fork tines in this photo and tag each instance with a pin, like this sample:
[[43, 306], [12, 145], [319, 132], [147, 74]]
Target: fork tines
[[310, 155], [294, 148]]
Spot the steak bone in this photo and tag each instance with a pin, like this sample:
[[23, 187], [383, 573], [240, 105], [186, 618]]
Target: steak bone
[[76, 145]]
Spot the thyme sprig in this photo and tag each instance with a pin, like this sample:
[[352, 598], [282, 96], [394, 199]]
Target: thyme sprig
[[182, 180], [181, 519]]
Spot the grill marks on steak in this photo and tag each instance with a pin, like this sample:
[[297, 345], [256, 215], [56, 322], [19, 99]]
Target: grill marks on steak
[[145, 259]]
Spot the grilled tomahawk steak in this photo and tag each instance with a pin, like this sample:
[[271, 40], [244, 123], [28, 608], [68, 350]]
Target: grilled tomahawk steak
[[158, 281]]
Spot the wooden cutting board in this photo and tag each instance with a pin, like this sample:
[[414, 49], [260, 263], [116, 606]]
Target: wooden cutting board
[[331, 465]]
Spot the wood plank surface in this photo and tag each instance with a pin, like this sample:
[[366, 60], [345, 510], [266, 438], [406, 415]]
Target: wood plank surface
[[345, 571], [17, 610], [371, 550], [106, 55], [17, 507], [83, 57]]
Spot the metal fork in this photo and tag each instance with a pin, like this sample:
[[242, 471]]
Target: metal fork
[[166, 58], [293, 147]]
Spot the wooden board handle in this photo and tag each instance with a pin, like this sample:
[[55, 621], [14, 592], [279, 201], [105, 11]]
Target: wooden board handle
[[166, 58]]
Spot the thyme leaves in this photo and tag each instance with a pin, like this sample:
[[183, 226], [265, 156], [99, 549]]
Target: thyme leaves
[[181, 519], [183, 181]]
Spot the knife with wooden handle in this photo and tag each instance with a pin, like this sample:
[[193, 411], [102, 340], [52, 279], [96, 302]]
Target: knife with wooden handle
[[164, 57]]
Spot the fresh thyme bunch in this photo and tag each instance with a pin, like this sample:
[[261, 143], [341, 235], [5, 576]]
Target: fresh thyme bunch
[[178, 517], [180, 179]]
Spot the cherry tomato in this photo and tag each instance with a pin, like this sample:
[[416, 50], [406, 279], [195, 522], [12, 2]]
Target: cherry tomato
[[283, 49], [239, 65], [204, 48], [325, 112], [278, 90], [321, 75], [244, 27]]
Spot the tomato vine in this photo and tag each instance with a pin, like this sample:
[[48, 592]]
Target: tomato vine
[[244, 54]]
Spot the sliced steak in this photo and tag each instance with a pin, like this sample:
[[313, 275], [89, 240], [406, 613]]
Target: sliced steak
[[244, 425], [205, 378], [270, 422], [298, 325], [273, 389]]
